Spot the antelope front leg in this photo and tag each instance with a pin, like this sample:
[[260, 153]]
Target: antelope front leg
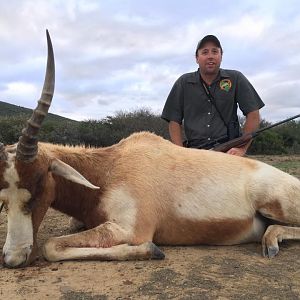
[[108, 241], [275, 234]]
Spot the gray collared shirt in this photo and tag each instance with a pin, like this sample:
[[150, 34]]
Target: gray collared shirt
[[188, 103]]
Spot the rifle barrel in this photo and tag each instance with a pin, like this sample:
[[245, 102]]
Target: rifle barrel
[[240, 141], [278, 123]]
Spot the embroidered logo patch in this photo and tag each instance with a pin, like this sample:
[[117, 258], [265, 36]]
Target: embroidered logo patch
[[225, 85]]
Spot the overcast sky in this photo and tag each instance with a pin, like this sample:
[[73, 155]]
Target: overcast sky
[[122, 55]]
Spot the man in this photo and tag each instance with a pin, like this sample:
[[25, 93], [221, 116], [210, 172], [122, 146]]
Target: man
[[206, 102]]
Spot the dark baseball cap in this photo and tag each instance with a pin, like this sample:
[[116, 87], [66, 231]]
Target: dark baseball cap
[[209, 38]]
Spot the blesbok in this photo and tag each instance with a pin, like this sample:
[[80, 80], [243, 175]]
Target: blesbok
[[141, 191]]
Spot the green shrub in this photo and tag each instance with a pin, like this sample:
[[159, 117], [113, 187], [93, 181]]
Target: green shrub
[[284, 139]]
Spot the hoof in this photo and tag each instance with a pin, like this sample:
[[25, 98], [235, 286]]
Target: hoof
[[75, 225], [272, 251], [156, 253]]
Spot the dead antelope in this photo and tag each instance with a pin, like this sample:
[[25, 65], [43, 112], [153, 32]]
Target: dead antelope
[[141, 191]]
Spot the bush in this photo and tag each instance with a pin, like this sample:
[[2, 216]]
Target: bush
[[268, 142], [112, 129], [284, 139], [11, 128]]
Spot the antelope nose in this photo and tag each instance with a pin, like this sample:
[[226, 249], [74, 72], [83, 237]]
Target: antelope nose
[[14, 261]]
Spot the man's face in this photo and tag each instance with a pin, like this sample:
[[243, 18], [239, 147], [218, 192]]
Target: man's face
[[209, 59]]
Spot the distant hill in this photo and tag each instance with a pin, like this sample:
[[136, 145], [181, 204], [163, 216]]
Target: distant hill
[[9, 110]]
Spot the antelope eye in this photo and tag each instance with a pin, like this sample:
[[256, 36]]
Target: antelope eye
[[27, 208]]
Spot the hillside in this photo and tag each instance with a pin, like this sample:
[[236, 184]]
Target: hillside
[[9, 110]]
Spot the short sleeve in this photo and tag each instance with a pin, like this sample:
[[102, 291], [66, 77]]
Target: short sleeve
[[173, 109], [246, 96]]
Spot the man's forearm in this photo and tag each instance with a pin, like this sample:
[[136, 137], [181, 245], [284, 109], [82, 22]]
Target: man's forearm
[[251, 124], [175, 132]]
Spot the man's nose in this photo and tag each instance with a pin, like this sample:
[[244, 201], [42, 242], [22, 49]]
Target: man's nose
[[210, 54]]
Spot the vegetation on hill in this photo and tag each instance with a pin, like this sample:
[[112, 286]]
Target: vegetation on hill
[[11, 110], [284, 139]]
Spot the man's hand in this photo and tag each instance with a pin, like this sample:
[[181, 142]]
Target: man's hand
[[251, 124], [241, 151]]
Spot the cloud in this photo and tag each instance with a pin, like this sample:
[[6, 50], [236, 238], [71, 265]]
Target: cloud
[[121, 55]]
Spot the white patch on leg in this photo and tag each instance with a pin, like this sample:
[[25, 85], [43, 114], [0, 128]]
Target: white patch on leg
[[19, 239], [120, 208]]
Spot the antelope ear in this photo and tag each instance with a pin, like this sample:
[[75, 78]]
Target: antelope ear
[[62, 169]]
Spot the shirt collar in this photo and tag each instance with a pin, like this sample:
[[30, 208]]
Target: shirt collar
[[194, 77]]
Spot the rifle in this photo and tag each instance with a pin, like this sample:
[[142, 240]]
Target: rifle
[[244, 139]]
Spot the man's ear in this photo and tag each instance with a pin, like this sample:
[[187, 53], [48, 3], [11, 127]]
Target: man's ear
[[62, 169]]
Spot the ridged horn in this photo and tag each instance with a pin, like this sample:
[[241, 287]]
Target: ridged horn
[[2, 152], [27, 147]]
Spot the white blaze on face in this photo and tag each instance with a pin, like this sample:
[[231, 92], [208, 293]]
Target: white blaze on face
[[19, 239]]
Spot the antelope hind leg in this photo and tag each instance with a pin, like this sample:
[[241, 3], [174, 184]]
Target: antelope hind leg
[[144, 251], [107, 241], [276, 234]]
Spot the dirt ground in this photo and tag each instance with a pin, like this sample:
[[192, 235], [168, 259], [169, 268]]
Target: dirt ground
[[204, 272]]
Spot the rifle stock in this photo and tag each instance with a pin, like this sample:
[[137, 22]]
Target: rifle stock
[[244, 139], [237, 142]]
